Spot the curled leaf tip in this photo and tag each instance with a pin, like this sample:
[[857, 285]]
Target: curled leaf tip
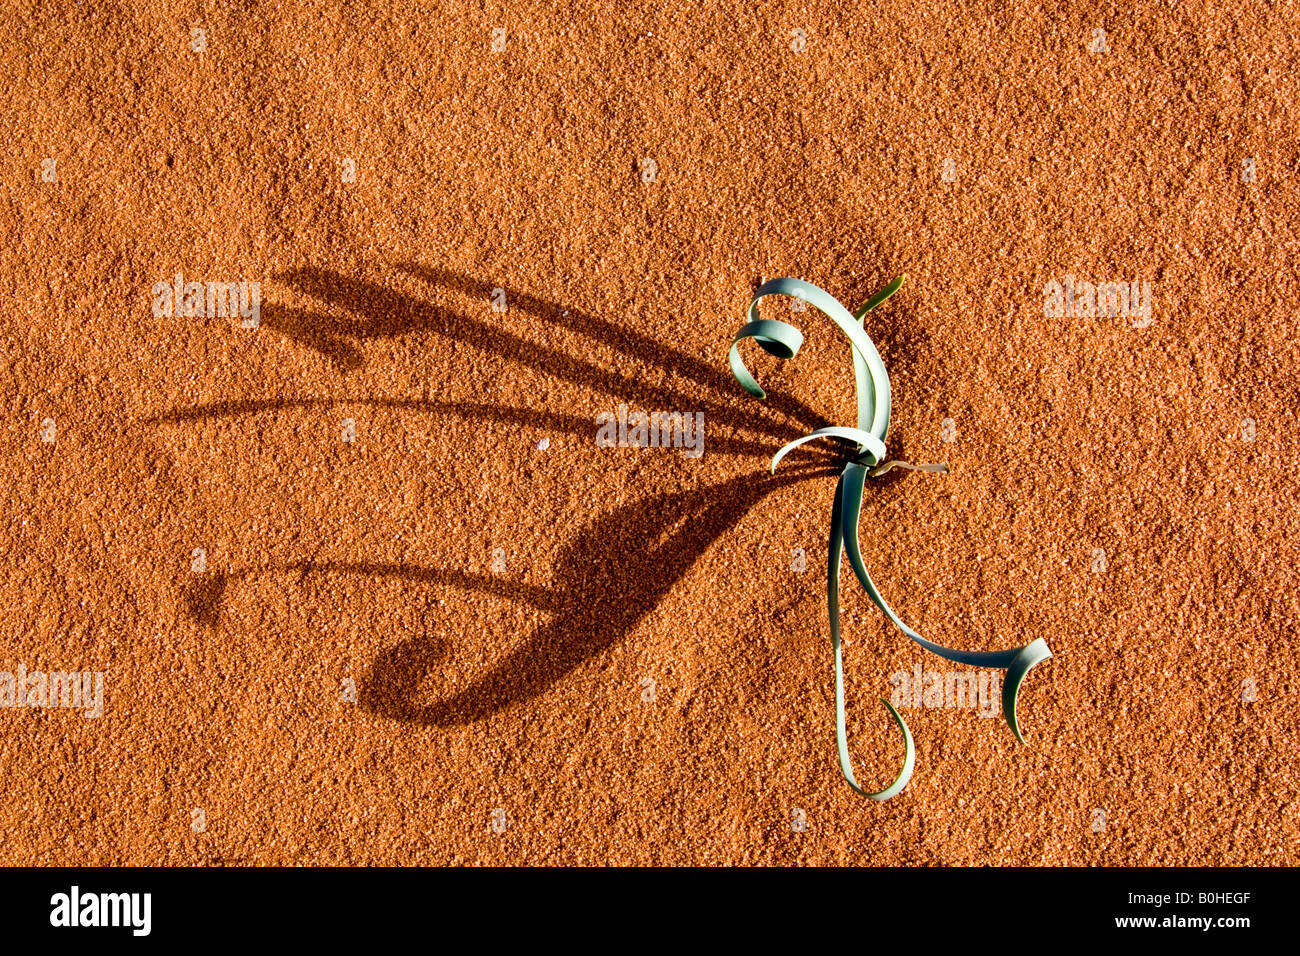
[[1032, 653], [909, 759]]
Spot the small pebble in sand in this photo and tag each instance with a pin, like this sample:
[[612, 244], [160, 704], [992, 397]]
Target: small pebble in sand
[[544, 444]]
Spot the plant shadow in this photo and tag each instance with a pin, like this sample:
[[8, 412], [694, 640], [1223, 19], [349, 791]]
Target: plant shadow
[[617, 568], [610, 577]]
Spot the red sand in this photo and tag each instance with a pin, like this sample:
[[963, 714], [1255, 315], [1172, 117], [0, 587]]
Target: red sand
[[522, 689]]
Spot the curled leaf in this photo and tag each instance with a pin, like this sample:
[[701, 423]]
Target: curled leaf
[[869, 445], [777, 338], [1033, 653]]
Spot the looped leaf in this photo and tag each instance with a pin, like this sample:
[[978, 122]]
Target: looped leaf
[[841, 731], [776, 338]]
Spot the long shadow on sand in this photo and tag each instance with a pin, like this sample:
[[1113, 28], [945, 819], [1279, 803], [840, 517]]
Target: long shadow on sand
[[653, 541]]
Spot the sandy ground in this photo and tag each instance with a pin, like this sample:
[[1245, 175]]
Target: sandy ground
[[586, 655]]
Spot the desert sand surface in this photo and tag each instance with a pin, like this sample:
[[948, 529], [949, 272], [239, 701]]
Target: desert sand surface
[[361, 586]]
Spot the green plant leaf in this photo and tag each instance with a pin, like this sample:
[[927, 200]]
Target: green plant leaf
[[881, 296], [833, 608], [868, 444], [873, 404]]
